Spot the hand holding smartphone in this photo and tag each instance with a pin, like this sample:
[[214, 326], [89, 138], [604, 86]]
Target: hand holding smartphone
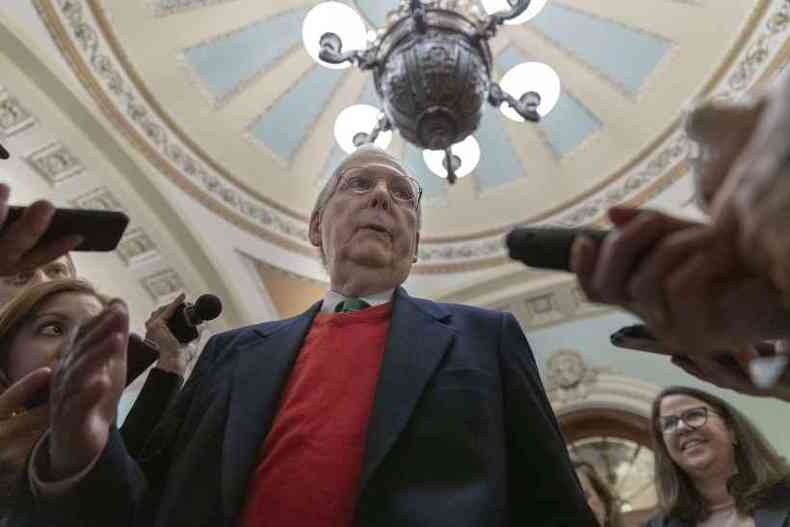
[[101, 230]]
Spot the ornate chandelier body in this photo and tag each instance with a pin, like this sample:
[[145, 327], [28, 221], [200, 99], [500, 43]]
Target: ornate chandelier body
[[432, 70]]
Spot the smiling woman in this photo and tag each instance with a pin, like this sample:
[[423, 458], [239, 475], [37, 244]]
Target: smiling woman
[[713, 467]]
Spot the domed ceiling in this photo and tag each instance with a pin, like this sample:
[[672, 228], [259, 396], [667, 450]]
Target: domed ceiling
[[223, 99]]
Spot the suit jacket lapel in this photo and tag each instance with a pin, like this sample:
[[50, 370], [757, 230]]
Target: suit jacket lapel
[[772, 516], [416, 343], [259, 377]]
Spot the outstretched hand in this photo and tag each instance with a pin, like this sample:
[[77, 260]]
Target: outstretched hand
[[86, 388], [682, 279], [744, 177]]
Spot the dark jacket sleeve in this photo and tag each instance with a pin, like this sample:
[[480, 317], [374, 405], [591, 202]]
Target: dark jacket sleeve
[[541, 480], [158, 392], [121, 491]]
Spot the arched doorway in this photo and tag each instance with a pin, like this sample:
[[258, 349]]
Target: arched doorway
[[605, 419]]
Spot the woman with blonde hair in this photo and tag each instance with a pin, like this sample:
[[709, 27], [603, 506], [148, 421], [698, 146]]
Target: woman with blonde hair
[[34, 327], [713, 466]]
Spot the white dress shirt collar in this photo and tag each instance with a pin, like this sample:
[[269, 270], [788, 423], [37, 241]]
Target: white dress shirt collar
[[333, 298]]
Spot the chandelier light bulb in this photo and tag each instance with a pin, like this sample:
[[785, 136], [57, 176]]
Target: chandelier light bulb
[[337, 18], [495, 6], [467, 153], [355, 123], [531, 77]]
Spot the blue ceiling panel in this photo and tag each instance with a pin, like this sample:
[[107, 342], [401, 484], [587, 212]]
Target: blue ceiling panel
[[569, 124], [499, 162], [376, 10], [228, 60], [625, 55], [509, 57], [285, 125]]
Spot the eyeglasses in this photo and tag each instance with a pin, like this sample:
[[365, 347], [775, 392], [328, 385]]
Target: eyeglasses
[[693, 417], [403, 189]]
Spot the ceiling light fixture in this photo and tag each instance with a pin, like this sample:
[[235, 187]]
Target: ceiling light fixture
[[432, 67], [354, 119]]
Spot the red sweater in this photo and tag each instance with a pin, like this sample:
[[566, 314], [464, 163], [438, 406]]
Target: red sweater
[[311, 459]]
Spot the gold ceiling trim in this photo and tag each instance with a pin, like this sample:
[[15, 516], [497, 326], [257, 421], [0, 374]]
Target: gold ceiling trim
[[137, 140]]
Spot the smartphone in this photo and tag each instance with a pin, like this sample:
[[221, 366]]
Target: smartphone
[[140, 355], [547, 247], [101, 229]]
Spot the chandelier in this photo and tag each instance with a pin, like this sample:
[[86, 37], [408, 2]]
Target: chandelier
[[432, 68]]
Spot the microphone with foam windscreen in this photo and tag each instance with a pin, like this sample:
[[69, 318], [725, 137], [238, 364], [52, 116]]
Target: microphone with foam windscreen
[[183, 324], [547, 247]]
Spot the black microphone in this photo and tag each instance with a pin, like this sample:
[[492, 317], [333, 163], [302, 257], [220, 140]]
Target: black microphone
[[184, 321], [4, 153], [547, 247]]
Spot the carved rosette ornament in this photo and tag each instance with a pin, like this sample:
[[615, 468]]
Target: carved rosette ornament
[[568, 377], [432, 68]]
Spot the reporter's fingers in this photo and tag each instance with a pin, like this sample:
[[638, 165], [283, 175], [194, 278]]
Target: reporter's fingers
[[171, 308], [723, 132], [724, 376], [114, 318], [646, 286], [91, 375], [24, 233], [584, 255], [620, 216], [620, 253], [687, 290], [687, 365], [22, 391]]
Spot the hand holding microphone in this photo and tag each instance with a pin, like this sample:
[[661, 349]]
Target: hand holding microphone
[[169, 330]]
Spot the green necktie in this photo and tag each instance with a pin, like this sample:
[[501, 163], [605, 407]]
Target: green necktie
[[351, 304]]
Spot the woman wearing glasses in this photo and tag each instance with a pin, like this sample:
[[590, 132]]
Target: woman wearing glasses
[[713, 467]]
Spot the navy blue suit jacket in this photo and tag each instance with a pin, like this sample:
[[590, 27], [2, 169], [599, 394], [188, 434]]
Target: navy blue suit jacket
[[461, 433]]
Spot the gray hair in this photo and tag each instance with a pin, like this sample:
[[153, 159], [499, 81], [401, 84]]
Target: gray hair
[[366, 152]]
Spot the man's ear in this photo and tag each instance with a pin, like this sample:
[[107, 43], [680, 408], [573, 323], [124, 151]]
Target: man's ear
[[315, 229], [416, 247]]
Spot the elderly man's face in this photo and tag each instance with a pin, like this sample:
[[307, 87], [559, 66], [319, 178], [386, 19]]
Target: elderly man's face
[[368, 228]]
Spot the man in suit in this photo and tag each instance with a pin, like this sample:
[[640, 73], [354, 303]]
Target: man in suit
[[373, 408]]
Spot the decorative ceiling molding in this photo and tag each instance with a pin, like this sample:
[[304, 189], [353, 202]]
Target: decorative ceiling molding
[[14, 117], [54, 163], [170, 7], [84, 35]]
